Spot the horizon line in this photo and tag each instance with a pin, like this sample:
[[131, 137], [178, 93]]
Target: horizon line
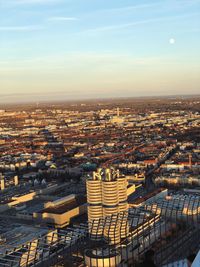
[[26, 102]]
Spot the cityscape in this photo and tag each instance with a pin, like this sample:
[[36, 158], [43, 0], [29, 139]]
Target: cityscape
[[99, 133], [100, 183]]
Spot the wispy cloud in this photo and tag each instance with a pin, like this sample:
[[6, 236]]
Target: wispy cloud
[[20, 28], [132, 7], [72, 61], [8, 3], [62, 18], [136, 23], [31, 1], [190, 2]]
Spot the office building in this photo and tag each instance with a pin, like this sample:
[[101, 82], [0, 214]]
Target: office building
[[107, 198]]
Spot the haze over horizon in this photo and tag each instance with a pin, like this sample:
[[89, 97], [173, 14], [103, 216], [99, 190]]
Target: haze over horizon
[[73, 49]]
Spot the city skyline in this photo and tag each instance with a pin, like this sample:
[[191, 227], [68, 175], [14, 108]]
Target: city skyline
[[60, 50]]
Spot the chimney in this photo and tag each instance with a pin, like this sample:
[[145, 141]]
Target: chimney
[[16, 180], [117, 112], [190, 160], [2, 182]]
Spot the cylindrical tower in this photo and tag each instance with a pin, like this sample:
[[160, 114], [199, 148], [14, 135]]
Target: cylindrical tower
[[123, 206], [122, 189], [123, 223], [95, 210], [110, 199], [112, 230], [107, 205]]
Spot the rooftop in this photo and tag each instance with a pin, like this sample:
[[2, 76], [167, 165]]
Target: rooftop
[[72, 204]]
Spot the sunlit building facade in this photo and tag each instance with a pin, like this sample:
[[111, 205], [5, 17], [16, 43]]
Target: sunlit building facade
[[107, 198]]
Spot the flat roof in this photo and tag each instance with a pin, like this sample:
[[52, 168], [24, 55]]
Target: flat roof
[[72, 204], [146, 197], [20, 235]]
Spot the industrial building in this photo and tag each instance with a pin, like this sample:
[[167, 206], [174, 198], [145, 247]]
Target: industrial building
[[52, 205], [61, 211]]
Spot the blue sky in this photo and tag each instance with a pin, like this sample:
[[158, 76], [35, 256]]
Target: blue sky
[[64, 49]]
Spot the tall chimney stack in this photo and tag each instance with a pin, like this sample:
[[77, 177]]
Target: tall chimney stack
[[2, 182], [16, 180], [190, 160], [117, 112]]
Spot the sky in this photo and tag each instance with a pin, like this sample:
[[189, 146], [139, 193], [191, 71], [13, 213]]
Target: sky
[[78, 49]]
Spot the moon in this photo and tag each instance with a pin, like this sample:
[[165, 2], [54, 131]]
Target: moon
[[172, 41]]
